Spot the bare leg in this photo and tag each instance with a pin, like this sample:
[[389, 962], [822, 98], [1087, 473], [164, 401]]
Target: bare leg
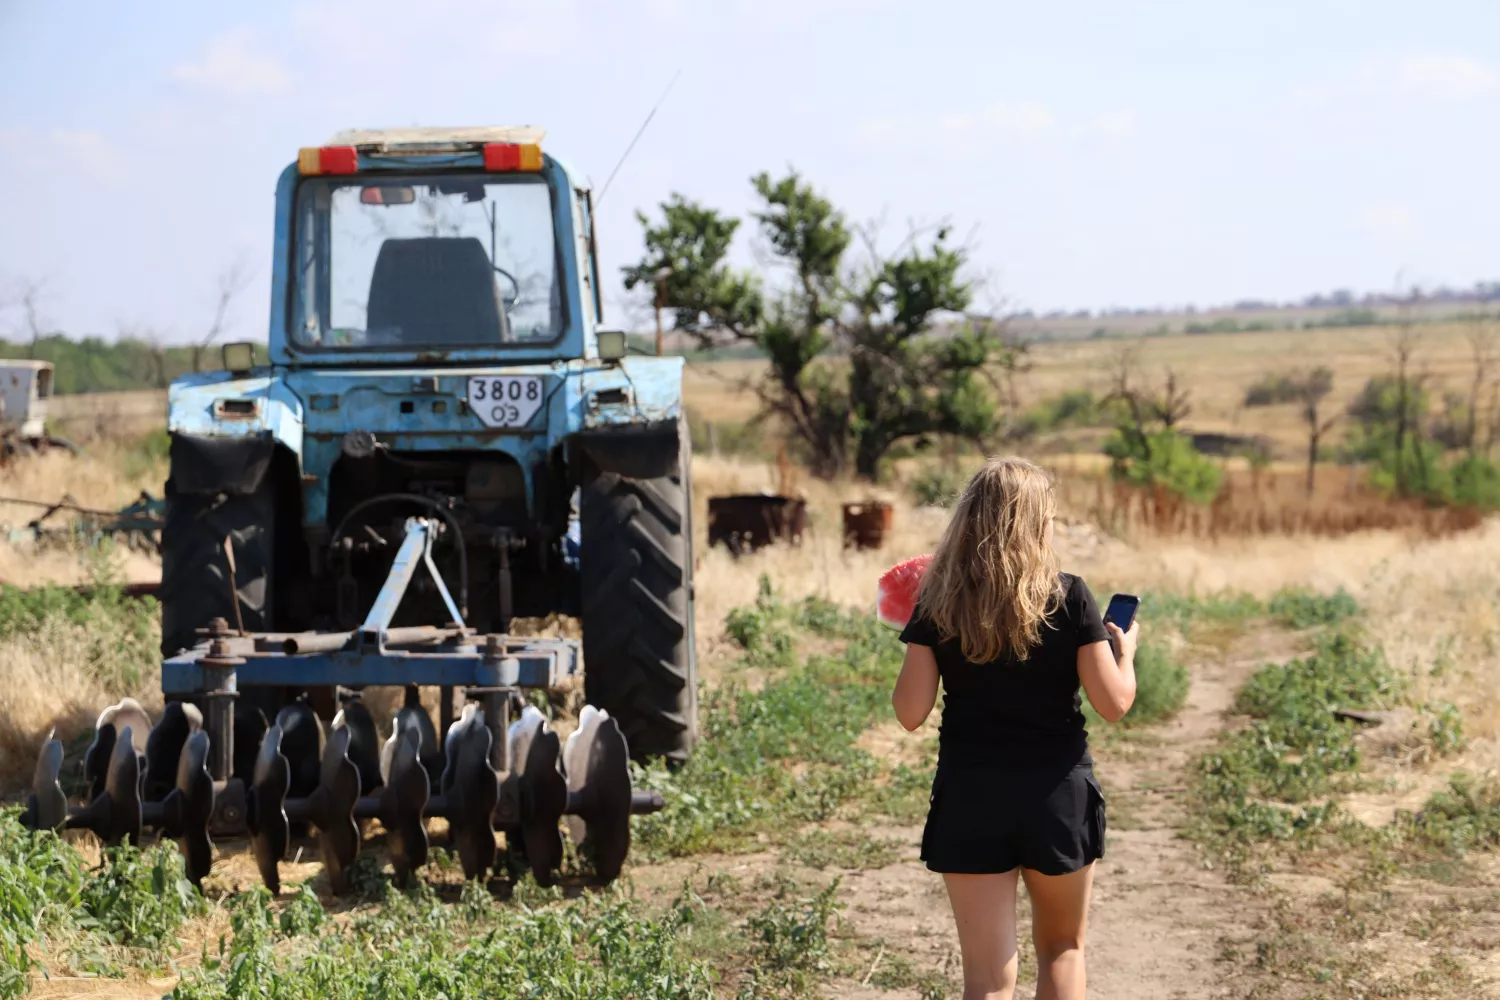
[[984, 907], [1059, 918]]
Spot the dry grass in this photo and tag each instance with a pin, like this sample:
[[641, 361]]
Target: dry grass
[[54, 681], [1217, 369]]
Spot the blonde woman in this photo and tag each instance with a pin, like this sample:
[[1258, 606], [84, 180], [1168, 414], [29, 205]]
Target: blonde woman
[[1011, 638]]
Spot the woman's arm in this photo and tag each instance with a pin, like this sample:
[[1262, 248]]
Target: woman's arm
[[916, 688], [1109, 681]]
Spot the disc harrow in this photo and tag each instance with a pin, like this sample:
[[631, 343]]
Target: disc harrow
[[162, 782], [210, 770]]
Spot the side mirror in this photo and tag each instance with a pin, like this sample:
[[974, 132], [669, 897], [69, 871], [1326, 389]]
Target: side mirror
[[612, 344], [238, 357]]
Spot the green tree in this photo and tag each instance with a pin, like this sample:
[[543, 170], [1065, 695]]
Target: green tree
[[901, 381], [1147, 449]]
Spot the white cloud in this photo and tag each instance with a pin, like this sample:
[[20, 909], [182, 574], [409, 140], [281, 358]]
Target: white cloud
[[1449, 77], [233, 64]]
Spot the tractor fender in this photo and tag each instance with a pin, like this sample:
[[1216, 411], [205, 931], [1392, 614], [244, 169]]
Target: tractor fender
[[225, 431], [208, 465], [638, 451]]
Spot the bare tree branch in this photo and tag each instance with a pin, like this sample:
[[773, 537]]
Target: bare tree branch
[[233, 280]]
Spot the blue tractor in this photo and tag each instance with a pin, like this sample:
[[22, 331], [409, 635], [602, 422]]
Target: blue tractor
[[442, 440]]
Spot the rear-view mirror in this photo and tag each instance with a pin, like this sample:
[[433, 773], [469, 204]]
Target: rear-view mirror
[[386, 194]]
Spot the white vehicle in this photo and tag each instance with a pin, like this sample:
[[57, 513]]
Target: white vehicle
[[25, 388]]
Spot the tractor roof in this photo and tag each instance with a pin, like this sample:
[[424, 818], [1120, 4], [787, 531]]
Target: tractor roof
[[437, 138], [26, 365]]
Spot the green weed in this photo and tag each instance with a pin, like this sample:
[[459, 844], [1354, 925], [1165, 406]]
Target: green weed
[[1463, 817], [1294, 749], [413, 945], [740, 781], [791, 942], [1299, 608], [851, 849], [135, 900]]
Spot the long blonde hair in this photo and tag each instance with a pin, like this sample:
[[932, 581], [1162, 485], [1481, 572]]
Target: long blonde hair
[[994, 578]]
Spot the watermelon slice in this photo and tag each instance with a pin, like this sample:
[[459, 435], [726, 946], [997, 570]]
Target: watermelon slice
[[896, 596]]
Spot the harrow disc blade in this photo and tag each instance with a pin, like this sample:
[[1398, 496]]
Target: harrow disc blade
[[403, 800], [101, 750], [364, 744], [413, 714], [534, 750], [332, 810], [164, 748], [112, 722], [114, 815], [598, 774], [266, 813], [47, 806], [300, 739], [187, 808], [471, 786]]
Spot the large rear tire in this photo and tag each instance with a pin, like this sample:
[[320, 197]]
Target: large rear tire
[[194, 574], [636, 569]]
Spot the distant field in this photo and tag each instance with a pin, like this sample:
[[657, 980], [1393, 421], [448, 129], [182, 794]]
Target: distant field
[[92, 416], [1217, 369]]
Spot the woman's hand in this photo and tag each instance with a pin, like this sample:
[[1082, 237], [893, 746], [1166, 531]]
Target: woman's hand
[[1124, 643]]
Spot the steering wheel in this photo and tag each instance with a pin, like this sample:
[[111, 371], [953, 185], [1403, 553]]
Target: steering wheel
[[509, 301]]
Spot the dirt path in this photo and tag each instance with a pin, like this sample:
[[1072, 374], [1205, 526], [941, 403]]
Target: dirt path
[[1157, 914]]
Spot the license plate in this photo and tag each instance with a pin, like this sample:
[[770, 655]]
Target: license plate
[[505, 400]]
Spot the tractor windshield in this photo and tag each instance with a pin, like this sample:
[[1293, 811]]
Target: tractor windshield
[[425, 262]]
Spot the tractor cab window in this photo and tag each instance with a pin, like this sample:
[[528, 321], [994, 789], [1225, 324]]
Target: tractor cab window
[[434, 262]]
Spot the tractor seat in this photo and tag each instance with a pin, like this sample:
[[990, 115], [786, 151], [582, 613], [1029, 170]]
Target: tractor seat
[[435, 291]]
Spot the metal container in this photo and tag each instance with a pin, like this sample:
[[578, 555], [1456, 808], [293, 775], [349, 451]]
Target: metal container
[[751, 522], [865, 524]]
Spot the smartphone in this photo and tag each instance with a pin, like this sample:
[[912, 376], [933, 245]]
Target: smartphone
[[1121, 610]]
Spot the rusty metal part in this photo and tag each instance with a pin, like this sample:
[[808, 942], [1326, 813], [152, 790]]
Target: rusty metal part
[[866, 524], [747, 523]]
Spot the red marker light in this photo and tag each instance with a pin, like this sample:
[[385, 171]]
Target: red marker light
[[501, 157], [339, 159]]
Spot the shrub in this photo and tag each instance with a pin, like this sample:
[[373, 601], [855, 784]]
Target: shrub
[[1269, 390], [1161, 686], [938, 487], [1165, 459], [1300, 608], [1463, 817]]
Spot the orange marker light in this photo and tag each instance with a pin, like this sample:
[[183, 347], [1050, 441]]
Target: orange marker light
[[328, 160], [505, 156]]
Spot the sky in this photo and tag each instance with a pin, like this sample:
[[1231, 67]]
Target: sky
[[1094, 153]]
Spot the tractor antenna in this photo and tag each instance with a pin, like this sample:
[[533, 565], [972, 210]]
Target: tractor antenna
[[639, 132]]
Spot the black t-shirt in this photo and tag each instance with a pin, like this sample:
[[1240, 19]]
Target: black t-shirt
[[1010, 711]]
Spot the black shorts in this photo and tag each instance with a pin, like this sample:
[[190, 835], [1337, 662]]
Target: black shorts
[[986, 820]]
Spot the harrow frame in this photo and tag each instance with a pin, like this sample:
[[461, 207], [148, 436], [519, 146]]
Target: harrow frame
[[177, 777]]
